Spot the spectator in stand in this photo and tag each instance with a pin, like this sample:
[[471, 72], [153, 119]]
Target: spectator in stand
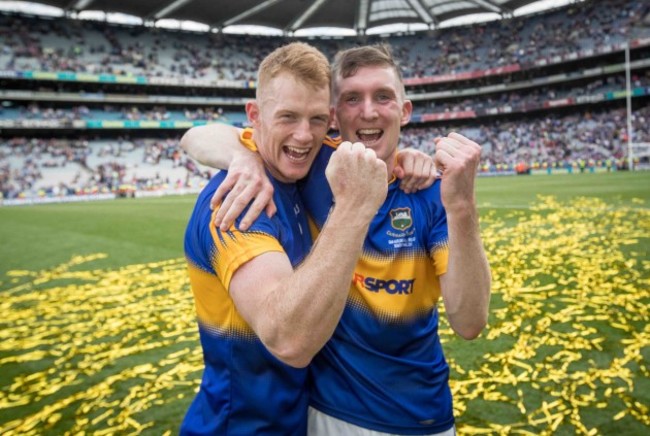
[[577, 27]]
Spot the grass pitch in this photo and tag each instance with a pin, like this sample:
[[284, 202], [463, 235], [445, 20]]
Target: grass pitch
[[98, 330]]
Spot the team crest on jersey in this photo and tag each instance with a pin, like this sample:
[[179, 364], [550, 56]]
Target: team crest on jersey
[[400, 218]]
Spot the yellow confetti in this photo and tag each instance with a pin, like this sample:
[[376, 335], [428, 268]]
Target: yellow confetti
[[102, 417], [107, 350]]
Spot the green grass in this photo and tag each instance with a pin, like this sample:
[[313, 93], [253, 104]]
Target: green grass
[[98, 331], [521, 191], [128, 230]]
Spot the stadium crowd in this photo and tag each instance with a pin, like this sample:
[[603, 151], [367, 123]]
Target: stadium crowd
[[34, 167], [523, 99], [548, 141], [31, 166], [518, 101], [36, 111], [572, 141], [97, 47], [582, 26]]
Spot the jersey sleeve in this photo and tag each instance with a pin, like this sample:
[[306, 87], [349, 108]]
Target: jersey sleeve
[[222, 253], [233, 248], [437, 242]]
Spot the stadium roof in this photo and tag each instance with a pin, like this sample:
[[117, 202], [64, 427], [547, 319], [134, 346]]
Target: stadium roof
[[290, 16]]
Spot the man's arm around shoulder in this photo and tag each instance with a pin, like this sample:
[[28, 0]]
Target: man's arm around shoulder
[[295, 312]]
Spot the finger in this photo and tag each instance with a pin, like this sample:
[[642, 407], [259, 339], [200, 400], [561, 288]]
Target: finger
[[224, 207], [358, 147], [437, 172], [431, 175], [451, 146], [468, 150], [442, 159], [410, 179], [255, 209], [234, 204], [220, 193], [240, 193], [462, 139], [271, 208], [420, 170], [345, 146], [426, 167], [381, 167], [465, 144], [405, 166], [405, 160], [369, 153]]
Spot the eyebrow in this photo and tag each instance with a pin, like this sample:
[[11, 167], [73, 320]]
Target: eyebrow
[[387, 89]]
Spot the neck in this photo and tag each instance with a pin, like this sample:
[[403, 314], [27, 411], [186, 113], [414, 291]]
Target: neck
[[391, 163], [277, 175]]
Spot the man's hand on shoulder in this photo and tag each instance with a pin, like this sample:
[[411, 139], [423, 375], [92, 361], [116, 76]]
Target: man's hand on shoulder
[[415, 169], [246, 181]]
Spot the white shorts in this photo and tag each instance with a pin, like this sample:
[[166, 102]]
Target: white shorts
[[321, 424]]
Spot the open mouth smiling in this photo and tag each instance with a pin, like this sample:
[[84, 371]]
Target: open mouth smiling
[[369, 136], [296, 154]]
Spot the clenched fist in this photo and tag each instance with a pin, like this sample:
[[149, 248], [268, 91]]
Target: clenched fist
[[458, 158], [358, 179]]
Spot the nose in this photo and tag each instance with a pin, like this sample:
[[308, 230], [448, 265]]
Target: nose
[[303, 133], [368, 110]]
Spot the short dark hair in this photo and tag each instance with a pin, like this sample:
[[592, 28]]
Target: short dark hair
[[347, 62]]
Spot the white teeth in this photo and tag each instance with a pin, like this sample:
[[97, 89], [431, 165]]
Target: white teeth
[[297, 150], [368, 131]]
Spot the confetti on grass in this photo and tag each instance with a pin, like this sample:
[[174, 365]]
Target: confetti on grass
[[571, 296], [104, 348], [85, 350]]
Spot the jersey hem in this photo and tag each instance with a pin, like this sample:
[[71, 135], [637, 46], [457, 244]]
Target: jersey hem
[[384, 428]]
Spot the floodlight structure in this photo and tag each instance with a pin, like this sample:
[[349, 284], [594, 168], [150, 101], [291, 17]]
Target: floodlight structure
[[630, 133]]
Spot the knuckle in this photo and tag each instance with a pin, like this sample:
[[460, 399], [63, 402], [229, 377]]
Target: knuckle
[[240, 202], [345, 146], [371, 153]]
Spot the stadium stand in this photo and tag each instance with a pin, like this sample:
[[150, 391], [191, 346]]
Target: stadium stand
[[91, 107]]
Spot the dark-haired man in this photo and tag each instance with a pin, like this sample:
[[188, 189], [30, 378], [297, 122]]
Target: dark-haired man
[[383, 371]]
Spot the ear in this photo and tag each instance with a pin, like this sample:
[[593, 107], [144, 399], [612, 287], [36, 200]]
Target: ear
[[334, 125], [407, 110], [253, 113]]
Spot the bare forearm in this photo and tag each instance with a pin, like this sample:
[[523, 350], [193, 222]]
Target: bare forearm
[[466, 284], [311, 302], [297, 310], [213, 145]]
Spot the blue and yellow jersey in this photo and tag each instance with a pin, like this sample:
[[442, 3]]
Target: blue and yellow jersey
[[384, 367], [245, 389]]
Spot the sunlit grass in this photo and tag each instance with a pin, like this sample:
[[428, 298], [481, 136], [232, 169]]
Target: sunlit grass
[[571, 301], [93, 340]]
